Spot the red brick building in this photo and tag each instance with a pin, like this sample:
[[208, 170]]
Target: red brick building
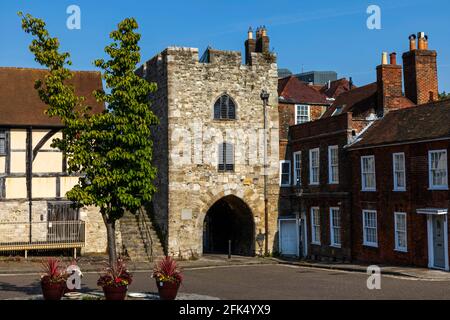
[[400, 188], [298, 103], [372, 127]]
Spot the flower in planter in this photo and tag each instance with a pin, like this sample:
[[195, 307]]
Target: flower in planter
[[53, 279], [167, 270], [53, 272], [116, 275]]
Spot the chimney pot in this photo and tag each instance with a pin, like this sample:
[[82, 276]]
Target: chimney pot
[[264, 32], [384, 59], [250, 33], [393, 58], [423, 41], [412, 42]]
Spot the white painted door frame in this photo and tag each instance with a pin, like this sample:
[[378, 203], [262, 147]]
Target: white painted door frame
[[430, 231], [297, 233]]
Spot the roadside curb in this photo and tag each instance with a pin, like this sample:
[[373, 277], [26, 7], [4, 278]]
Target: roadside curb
[[148, 268], [357, 270]]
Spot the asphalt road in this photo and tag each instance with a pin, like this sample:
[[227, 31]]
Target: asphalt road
[[271, 282]]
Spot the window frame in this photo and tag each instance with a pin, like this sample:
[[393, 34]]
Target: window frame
[[281, 173], [396, 231], [431, 186], [227, 118], [365, 242], [314, 240], [395, 180], [333, 227], [330, 167], [4, 136], [311, 182], [297, 171], [224, 152], [297, 107], [363, 182]]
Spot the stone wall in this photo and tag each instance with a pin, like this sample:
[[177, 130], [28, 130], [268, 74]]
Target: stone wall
[[191, 135], [14, 219]]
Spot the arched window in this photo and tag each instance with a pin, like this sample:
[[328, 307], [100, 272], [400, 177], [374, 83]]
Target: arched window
[[224, 108], [226, 157]]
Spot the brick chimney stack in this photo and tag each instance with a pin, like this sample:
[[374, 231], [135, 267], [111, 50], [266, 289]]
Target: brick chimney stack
[[420, 71], [262, 40], [250, 46], [389, 82]]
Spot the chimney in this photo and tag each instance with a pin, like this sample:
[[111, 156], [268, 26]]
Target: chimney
[[384, 59], [262, 40], [420, 72], [350, 83], [250, 46], [389, 84], [412, 42], [393, 58], [423, 41]]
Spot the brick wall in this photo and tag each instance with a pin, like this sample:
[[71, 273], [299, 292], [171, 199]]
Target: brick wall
[[385, 201], [420, 73], [332, 131]]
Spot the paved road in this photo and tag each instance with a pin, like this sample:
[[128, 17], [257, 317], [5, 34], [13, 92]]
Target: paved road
[[261, 282]]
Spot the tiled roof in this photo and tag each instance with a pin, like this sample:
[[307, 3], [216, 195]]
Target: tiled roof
[[359, 101], [423, 122], [292, 90], [20, 104], [336, 88]]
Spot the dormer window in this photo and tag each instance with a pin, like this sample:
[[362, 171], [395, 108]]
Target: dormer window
[[225, 108]]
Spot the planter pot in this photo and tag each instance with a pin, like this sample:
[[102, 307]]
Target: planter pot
[[167, 290], [115, 293], [53, 291]]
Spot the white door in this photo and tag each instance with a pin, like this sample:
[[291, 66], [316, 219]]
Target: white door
[[438, 242], [288, 237]]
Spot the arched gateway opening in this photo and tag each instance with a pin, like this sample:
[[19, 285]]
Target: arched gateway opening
[[229, 219]]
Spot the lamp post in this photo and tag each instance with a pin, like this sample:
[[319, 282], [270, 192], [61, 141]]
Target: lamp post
[[298, 194], [265, 98]]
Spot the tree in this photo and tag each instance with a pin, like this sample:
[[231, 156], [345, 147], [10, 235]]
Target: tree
[[444, 95], [113, 150]]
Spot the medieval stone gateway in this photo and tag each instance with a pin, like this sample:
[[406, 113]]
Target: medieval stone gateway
[[229, 224]]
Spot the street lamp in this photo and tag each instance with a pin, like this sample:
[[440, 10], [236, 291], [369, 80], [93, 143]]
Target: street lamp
[[265, 98]]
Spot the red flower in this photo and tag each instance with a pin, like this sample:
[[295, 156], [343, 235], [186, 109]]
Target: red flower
[[118, 280]]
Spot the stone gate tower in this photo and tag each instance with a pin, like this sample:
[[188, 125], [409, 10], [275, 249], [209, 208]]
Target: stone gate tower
[[209, 148]]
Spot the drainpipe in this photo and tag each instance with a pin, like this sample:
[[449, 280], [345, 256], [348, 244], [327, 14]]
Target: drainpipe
[[265, 98]]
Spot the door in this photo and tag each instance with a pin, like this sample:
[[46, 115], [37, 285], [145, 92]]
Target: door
[[289, 241], [438, 241]]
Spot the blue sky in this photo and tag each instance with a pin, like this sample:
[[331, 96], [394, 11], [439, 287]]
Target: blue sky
[[313, 35]]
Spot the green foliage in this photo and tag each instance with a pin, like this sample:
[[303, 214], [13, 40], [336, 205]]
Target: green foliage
[[113, 149], [444, 95]]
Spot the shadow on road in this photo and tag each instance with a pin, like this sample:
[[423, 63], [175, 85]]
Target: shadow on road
[[31, 289]]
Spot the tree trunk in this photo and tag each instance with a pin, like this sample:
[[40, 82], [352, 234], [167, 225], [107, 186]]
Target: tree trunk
[[111, 235]]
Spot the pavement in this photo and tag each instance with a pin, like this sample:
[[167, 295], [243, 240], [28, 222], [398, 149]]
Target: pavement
[[32, 265]]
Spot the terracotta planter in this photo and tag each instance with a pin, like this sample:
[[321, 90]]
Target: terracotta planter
[[115, 293], [53, 291], [167, 290]]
